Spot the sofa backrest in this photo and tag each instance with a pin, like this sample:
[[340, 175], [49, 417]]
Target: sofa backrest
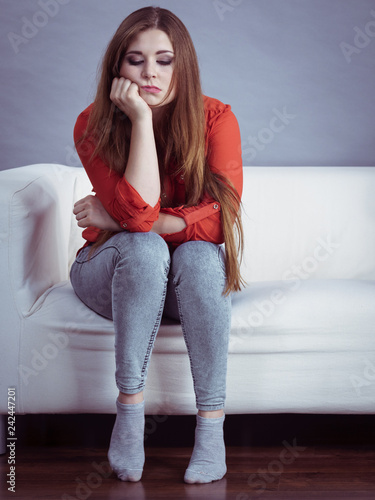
[[299, 222], [309, 222]]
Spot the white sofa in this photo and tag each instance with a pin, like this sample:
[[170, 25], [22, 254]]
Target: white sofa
[[303, 331]]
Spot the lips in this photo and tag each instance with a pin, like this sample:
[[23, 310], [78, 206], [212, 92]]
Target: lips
[[151, 89]]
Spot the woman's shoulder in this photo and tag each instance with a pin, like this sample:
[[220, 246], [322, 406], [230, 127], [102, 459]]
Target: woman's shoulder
[[214, 107], [82, 121], [84, 115], [217, 113]]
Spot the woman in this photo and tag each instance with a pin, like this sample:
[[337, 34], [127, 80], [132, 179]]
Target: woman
[[165, 164]]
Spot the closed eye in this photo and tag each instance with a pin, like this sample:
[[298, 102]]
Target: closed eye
[[134, 63], [137, 62]]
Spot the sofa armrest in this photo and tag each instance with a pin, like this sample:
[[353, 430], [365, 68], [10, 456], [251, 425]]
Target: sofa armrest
[[38, 233]]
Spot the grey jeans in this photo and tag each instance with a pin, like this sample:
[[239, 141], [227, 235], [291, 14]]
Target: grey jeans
[[133, 280]]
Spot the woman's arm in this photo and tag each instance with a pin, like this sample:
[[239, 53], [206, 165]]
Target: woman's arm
[[168, 224], [90, 212], [142, 169], [131, 200]]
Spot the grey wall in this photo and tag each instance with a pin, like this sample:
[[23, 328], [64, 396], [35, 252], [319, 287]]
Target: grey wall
[[309, 61]]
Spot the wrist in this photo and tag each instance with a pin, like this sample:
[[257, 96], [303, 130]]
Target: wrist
[[142, 119], [168, 224]]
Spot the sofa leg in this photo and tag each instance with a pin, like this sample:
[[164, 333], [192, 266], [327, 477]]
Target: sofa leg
[[3, 426]]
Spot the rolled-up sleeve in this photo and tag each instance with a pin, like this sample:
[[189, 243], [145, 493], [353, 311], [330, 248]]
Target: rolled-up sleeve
[[118, 197], [202, 223], [130, 209]]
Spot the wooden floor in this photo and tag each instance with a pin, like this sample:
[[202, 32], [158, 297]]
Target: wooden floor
[[281, 457], [54, 473]]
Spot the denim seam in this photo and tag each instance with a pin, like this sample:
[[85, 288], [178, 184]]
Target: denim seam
[[100, 250], [156, 326], [154, 332], [183, 327]]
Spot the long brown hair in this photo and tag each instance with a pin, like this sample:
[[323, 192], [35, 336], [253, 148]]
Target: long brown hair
[[179, 136]]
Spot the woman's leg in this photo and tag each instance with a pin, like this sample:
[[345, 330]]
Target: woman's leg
[[198, 275], [125, 280]]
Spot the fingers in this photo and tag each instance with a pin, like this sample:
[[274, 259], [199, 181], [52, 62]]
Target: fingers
[[125, 95], [82, 204], [81, 215], [83, 218], [82, 210], [88, 211], [116, 88], [119, 89], [83, 223], [133, 90]]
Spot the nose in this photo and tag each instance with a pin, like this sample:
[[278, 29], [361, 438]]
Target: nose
[[149, 70]]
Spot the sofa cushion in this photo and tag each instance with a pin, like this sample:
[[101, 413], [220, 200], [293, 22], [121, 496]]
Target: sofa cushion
[[310, 349], [305, 316], [269, 317]]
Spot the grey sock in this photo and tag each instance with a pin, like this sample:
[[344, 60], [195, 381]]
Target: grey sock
[[207, 462], [126, 450]]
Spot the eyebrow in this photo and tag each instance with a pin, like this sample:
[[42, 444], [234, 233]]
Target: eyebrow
[[141, 53]]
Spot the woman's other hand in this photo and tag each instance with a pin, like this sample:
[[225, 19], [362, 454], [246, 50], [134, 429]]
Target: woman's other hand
[[89, 211], [125, 95]]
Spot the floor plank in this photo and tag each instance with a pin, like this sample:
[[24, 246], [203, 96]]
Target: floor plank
[[78, 473]]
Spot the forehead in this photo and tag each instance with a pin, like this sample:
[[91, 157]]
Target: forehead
[[153, 40]]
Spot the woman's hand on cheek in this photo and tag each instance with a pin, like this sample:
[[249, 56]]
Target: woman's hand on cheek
[[125, 95], [90, 212]]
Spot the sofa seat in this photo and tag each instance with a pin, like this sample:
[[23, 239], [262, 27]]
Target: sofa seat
[[287, 339]]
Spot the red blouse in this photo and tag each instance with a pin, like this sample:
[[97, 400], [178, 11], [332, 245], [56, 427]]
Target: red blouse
[[125, 204]]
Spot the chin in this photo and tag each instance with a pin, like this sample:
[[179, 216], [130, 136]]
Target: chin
[[153, 101]]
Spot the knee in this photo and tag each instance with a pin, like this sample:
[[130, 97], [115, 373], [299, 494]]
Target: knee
[[199, 262], [144, 251]]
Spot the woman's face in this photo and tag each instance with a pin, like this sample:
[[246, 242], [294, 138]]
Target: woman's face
[[149, 62]]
